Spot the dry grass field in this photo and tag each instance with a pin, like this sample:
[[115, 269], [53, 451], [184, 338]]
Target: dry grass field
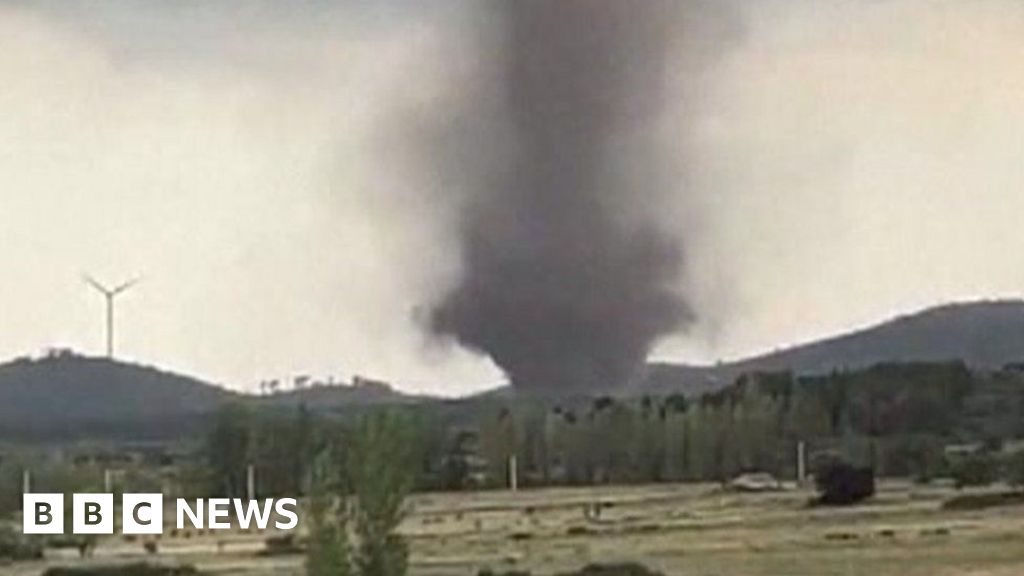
[[686, 530]]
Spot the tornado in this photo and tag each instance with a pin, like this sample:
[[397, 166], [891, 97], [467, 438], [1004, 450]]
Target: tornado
[[569, 276]]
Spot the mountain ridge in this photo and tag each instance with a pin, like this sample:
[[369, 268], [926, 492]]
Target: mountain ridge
[[63, 394], [984, 334], [71, 395]]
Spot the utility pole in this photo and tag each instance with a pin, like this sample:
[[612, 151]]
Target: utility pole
[[801, 463], [109, 294], [513, 473], [26, 487], [250, 481]]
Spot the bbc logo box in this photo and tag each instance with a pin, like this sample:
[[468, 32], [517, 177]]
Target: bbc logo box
[[92, 514], [144, 513]]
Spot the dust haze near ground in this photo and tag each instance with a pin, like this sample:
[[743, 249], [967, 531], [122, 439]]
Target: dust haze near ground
[[841, 162]]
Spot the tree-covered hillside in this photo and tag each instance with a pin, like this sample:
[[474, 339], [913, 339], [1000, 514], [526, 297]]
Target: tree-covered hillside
[[983, 335], [64, 394]]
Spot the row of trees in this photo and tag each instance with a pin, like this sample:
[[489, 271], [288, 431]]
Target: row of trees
[[898, 419], [895, 418]]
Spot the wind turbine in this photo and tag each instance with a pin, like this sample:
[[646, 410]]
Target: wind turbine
[[110, 294]]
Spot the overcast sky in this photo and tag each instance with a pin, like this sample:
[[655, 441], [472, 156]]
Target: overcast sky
[[840, 162]]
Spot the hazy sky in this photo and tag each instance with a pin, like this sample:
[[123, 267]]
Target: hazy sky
[[839, 162]]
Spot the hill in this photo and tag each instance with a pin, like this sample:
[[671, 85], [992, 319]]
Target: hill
[[65, 395], [361, 392], [984, 335], [69, 396]]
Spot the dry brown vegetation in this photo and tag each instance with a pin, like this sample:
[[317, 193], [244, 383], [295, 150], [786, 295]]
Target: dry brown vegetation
[[690, 530]]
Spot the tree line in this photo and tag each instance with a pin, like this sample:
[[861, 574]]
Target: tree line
[[899, 419]]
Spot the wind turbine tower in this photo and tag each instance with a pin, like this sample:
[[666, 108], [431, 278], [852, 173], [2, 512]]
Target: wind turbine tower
[[110, 294]]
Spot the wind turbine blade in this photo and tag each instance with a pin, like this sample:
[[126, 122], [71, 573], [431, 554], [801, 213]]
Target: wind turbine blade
[[125, 286], [92, 282]]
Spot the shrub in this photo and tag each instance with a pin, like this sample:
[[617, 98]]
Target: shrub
[[281, 546], [1015, 469], [925, 460], [489, 572], [140, 569], [64, 541], [840, 483], [983, 501], [15, 547], [619, 569], [974, 470], [580, 531]]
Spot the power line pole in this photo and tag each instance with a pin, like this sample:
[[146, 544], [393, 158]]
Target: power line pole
[[801, 463], [109, 294], [513, 473], [250, 481]]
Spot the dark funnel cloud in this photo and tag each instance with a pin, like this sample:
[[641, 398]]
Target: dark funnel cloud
[[567, 279]]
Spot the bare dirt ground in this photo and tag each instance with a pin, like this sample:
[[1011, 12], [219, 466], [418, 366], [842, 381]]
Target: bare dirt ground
[[685, 530]]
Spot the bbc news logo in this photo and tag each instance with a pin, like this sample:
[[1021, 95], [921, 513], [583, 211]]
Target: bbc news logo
[[144, 513]]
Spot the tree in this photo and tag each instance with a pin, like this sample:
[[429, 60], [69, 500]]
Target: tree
[[499, 434], [228, 449], [381, 477], [329, 552], [700, 450], [649, 447], [455, 461], [755, 420], [282, 447], [360, 487], [808, 417], [618, 427], [677, 444]]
